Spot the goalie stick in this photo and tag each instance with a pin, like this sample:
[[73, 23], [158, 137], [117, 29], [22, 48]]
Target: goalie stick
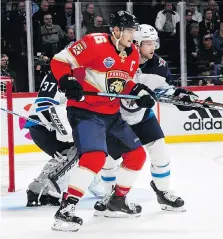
[[24, 117]]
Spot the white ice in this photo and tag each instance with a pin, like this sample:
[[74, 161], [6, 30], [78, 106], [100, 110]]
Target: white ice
[[197, 176]]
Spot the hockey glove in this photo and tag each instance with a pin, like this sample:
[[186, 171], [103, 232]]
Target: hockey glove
[[147, 96], [72, 88], [187, 96]]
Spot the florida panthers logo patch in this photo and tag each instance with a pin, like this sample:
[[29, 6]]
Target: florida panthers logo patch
[[115, 82]]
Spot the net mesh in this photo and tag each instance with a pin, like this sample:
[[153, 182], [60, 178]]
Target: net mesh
[[6, 145]]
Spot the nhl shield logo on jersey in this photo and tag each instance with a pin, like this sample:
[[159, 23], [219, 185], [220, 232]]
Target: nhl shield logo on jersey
[[109, 62], [115, 82]]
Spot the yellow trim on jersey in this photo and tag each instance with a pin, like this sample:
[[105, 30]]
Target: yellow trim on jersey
[[98, 72], [92, 84], [75, 60], [60, 59]]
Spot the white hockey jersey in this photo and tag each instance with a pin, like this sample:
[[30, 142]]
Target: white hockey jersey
[[48, 96], [153, 73]]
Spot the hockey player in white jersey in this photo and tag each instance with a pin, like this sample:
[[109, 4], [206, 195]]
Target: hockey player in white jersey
[[153, 72], [55, 139]]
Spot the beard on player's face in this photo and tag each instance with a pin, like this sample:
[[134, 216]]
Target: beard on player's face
[[147, 49]]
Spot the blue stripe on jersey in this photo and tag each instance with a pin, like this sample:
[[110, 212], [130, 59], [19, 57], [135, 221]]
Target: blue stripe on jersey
[[46, 99], [161, 175], [108, 179], [42, 108], [29, 124]]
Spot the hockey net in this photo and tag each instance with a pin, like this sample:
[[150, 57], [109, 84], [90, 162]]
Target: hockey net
[[7, 137]]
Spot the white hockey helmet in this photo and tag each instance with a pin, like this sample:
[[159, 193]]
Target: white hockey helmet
[[146, 33]]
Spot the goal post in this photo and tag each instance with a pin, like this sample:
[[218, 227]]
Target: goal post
[[7, 139]]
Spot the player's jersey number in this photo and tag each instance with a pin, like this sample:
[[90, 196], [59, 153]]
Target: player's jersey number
[[99, 38], [46, 85]]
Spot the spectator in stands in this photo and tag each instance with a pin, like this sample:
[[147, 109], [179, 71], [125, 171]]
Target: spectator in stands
[[67, 17], [218, 41], [68, 38], [206, 55], [215, 11], [98, 26], [152, 14], [167, 19], [196, 16], [189, 19], [83, 27], [207, 25], [193, 47], [188, 22], [51, 35], [5, 70], [14, 27], [54, 8], [38, 16], [35, 7], [88, 15]]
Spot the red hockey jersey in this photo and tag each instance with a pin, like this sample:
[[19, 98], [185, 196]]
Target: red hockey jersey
[[106, 70]]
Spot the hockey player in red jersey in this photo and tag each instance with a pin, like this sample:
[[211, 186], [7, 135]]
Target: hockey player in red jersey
[[110, 63]]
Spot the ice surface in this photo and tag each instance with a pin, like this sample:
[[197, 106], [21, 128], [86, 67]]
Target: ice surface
[[197, 176]]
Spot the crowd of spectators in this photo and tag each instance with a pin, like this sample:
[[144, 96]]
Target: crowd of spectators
[[54, 28]]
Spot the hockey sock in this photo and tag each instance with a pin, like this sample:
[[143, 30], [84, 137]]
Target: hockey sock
[[160, 164], [108, 174], [132, 164], [90, 164]]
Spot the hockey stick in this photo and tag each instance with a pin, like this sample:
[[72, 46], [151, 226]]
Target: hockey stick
[[24, 117], [130, 97], [169, 99]]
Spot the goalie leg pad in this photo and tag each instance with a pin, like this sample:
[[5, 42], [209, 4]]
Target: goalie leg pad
[[53, 179], [160, 164]]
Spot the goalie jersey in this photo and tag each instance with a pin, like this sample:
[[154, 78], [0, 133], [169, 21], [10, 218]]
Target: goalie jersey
[[49, 95], [153, 73]]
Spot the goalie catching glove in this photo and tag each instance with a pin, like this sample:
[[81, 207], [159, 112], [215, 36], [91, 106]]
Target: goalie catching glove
[[147, 96], [72, 88]]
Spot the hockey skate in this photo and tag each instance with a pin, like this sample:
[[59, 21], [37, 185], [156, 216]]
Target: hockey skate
[[118, 207], [101, 206], [168, 201], [65, 219]]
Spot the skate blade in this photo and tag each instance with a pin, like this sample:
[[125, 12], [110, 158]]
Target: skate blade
[[173, 209], [60, 225], [117, 214], [99, 213]]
